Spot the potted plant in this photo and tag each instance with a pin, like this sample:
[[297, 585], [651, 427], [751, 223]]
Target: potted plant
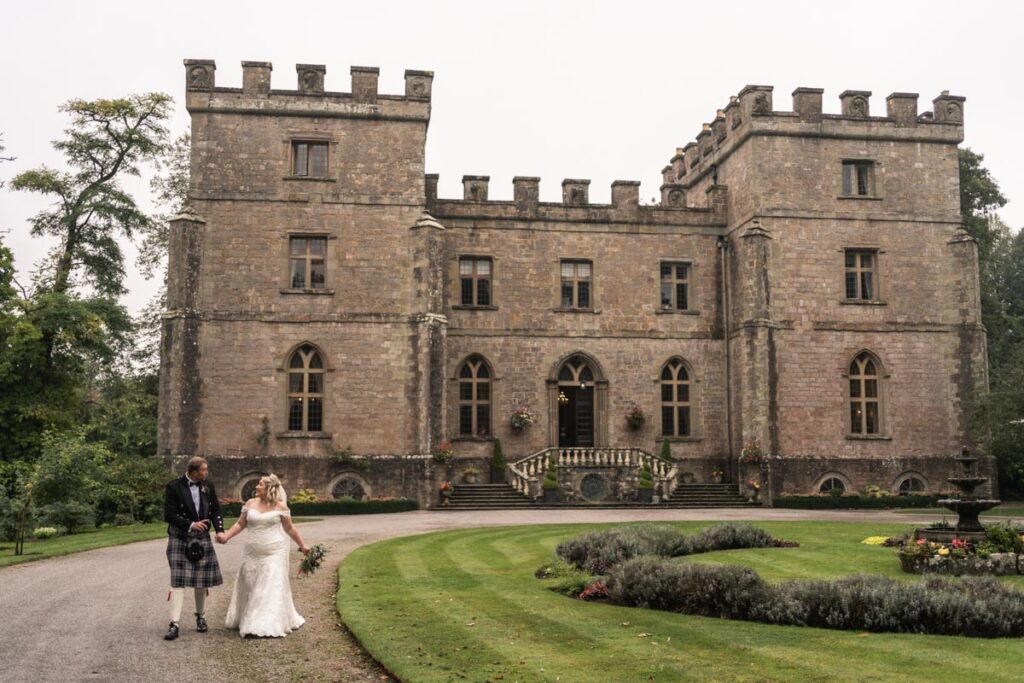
[[753, 489], [666, 450], [751, 453], [497, 464], [446, 492], [550, 483], [471, 475], [716, 476], [635, 417], [444, 452], [645, 485], [521, 418]]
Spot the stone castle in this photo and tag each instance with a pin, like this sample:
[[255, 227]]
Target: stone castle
[[802, 297]]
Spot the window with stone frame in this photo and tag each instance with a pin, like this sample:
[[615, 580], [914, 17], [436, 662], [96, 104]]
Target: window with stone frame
[[858, 178], [861, 274], [675, 286], [306, 390], [675, 399], [577, 290], [865, 395], [309, 159], [475, 274], [474, 397], [307, 259]]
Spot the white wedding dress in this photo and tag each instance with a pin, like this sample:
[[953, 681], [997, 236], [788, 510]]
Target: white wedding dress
[[261, 602]]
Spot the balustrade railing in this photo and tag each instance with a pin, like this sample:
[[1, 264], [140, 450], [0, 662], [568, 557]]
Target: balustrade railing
[[527, 472]]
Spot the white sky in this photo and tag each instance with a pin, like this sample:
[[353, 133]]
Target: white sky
[[599, 90]]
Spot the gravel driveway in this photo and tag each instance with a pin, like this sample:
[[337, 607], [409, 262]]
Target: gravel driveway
[[101, 614]]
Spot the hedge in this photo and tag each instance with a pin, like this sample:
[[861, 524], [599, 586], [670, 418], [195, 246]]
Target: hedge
[[336, 507], [856, 502]]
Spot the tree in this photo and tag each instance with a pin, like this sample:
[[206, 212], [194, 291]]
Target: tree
[[980, 197], [3, 158], [107, 139]]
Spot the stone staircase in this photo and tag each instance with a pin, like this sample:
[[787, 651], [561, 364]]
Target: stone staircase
[[707, 496], [486, 497], [505, 497]]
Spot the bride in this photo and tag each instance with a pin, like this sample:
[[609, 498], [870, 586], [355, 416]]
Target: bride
[[261, 603]]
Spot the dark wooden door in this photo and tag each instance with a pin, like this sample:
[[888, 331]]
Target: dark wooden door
[[576, 417]]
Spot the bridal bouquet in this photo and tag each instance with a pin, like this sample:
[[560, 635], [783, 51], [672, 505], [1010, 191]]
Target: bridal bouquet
[[313, 559]]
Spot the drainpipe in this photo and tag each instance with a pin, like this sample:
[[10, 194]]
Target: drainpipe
[[723, 251]]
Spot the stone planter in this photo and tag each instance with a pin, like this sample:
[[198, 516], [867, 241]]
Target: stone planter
[[716, 479], [645, 495], [471, 477], [552, 496]]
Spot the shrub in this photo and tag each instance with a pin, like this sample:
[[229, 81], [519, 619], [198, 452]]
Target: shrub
[[730, 536], [568, 580], [706, 590], [45, 532], [854, 502], [599, 551], [70, 514], [666, 450], [645, 483], [594, 591], [550, 482], [978, 607], [303, 496], [1004, 538], [335, 507], [497, 457]]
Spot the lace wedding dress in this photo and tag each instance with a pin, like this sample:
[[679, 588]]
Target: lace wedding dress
[[261, 602]]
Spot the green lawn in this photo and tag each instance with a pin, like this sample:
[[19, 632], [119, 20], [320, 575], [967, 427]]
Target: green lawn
[[464, 605], [90, 540], [1014, 509]]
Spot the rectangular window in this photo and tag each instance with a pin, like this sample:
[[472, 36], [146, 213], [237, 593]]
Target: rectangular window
[[576, 281], [308, 262], [475, 281], [309, 159], [858, 178], [675, 284], [860, 274]]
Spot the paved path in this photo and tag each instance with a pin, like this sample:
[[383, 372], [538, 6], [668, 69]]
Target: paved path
[[101, 614]]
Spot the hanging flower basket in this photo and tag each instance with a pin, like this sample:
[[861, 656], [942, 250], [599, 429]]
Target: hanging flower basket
[[521, 419], [635, 417], [751, 453]]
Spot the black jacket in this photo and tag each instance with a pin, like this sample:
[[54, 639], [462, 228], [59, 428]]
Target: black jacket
[[180, 512]]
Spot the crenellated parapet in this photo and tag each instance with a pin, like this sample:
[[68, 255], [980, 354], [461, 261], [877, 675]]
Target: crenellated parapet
[[309, 96], [752, 112], [576, 206]]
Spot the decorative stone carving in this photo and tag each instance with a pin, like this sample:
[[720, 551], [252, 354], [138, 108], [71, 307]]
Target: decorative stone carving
[[954, 112], [577, 196], [859, 107], [199, 78], [417, 87], [675, 198], [762, 106], [311, 78]]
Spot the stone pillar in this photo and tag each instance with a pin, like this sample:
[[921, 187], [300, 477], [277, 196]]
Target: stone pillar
[[256, 78], [180, 397], [364, 84], [428, 333], [526, 192], [757, 367]]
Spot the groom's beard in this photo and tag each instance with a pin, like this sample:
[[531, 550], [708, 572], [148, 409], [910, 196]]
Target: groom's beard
[[177, 600]]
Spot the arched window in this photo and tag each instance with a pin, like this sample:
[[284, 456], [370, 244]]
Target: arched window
[[306, 390], [675, 399], [865, 402], [348, 487], [474, 397], [911, 486], [833, 486]]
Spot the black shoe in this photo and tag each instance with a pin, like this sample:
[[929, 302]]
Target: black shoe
[[172, 632], [201, 624]]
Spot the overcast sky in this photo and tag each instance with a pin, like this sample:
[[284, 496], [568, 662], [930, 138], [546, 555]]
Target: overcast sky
[[599, 90]]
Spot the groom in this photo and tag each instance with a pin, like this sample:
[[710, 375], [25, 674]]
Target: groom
[[190, 506]]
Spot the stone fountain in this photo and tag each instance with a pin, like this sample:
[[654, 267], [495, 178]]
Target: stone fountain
[[967, 505]]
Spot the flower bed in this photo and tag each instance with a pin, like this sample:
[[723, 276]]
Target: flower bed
[[1000, 553]]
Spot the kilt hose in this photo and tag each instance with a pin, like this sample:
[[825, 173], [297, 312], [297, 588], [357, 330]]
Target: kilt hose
[[187, 574]]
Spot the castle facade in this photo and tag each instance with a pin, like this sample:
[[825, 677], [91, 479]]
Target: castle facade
[[803, 290]]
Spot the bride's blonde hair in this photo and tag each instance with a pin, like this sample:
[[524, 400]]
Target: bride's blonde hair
[[273, 485]]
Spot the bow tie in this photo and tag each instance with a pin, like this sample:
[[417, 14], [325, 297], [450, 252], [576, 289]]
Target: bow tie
[[193, 483]]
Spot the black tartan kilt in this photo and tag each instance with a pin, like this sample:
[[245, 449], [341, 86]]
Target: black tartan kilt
[[187, 574]]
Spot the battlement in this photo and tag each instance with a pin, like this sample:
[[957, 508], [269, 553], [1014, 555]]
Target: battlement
[[310, 97], [575, 205], [751, 112]]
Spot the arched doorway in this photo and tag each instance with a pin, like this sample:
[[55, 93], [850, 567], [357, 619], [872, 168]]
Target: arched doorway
[[577, 394]]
